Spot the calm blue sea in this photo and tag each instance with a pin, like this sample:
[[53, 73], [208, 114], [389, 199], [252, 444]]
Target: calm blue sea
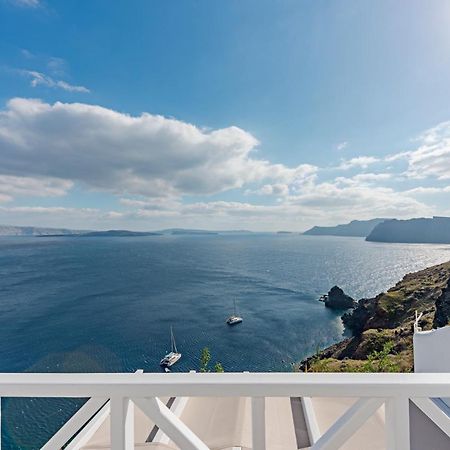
[[106, 305]]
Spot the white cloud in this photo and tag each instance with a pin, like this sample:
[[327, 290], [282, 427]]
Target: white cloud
[[364, 179], [50, 210], [340, 200], [146, 155], [372, 177], [427, 190], [333, 202], [41, 79], [342, 145], [277, 189], [26, 3], [61, 217], [397, 156], [57, 66], [27, 54], [155, 204], [14, 186], [432, 158], [360, 161], [158, 167]]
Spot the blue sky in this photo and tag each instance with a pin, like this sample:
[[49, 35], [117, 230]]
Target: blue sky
[[261, 114]]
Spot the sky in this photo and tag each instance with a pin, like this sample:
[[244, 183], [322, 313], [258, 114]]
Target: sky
[[256, 114]]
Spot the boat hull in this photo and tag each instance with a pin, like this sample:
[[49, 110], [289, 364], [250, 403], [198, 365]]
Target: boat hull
[[170, 359], [234, 321]]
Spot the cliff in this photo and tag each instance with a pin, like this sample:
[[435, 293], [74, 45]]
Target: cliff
[[357, 228], [425, 231], [382, 326]]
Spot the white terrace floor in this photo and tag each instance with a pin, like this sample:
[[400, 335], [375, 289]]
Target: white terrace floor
[[225, 423]]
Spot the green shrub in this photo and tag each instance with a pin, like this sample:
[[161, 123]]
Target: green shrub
[[205, 359]]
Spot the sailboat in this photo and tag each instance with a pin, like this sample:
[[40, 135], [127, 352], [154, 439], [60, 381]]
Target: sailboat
[[173, 356], [234, 319]]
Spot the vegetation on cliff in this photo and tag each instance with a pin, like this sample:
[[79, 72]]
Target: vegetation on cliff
[[382, 326]]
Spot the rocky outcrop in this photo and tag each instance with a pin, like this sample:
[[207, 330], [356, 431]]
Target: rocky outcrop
[[337, 299], [382, 326]]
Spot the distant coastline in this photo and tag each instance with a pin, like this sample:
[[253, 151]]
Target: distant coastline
[[31, 231], [434, 230], [108, 233], [356, 228]]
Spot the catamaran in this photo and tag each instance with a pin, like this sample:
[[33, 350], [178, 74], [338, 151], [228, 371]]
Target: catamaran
[[234, 319], [173, 356]]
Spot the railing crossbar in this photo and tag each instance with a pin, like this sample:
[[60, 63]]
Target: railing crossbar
[[347, 425], [89, 430], [75, 423], [172, 426], [436, 414]]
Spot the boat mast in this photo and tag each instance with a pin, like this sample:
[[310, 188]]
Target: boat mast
[[172, 341]]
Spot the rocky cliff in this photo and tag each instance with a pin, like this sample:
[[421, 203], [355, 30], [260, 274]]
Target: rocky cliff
[[382, 326], [357, 228], [423, 230]]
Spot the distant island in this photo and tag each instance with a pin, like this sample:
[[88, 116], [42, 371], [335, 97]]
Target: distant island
[[193, 231], [118, 233], [356, 228], [434, 230], [415, 231], [183, 231], [11, 230]]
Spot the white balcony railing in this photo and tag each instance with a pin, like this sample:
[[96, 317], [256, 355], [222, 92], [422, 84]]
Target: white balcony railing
[[114, 396]]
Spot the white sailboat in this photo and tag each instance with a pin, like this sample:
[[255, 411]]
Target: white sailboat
[[234, 319], [173, 356]]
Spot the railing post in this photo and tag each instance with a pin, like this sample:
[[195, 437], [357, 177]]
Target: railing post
[[259, 423], [397, 424], [122, 423]]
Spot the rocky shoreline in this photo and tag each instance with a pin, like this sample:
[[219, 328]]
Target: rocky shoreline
[[382, 326]]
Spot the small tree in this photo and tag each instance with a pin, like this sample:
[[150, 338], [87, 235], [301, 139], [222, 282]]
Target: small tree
[[380, 361], [205, 359]]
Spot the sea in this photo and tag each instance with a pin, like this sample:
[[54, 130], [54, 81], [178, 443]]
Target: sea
[[106, 304]]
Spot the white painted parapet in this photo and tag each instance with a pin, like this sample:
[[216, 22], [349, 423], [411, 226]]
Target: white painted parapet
[[120, 392]]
